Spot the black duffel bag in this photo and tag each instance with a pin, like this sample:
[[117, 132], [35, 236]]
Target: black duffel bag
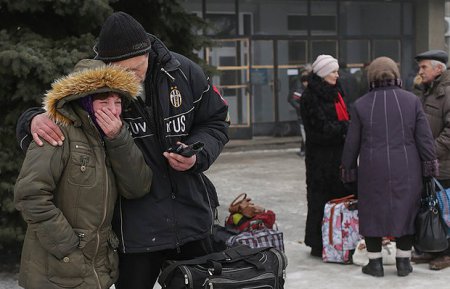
[[237, 267]]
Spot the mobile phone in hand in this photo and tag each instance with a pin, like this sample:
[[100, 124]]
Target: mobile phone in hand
[[188, 151]]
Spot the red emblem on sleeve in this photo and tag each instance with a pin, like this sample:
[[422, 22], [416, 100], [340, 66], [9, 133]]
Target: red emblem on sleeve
[[216, 90]]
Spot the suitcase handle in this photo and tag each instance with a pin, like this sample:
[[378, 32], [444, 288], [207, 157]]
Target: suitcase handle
[[343, 199]]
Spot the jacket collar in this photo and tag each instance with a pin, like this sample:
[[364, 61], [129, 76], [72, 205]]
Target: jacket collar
[[322, 89], [385, 83], [162, 55], [439, 85]]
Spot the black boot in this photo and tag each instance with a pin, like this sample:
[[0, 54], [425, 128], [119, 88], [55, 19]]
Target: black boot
[[374, 268], [403, 266]]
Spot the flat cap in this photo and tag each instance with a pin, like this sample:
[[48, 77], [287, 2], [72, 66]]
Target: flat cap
[[438, 55]]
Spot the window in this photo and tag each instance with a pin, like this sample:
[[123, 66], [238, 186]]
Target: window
[[318, 24], [323, 18], [389, 48], [296, 52], [368, 18], [355, 51], [221, 24], [323, 47], [297, 22]]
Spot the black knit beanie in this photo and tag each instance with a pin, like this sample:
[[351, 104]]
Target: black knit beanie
[[121, 37]]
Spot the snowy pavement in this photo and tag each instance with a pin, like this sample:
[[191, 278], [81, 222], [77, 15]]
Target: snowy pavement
[[275, 179]]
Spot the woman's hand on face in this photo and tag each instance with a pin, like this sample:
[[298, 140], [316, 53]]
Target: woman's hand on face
[[108, 122]]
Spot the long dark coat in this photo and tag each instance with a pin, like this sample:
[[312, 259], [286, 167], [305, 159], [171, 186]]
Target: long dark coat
[[390, 134], [325, 137]]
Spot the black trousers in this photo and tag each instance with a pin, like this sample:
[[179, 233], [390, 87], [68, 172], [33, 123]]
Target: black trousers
[[141, 270], [403, 243]]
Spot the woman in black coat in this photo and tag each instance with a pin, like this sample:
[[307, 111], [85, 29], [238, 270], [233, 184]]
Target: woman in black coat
[[325, 119], [392, 139]]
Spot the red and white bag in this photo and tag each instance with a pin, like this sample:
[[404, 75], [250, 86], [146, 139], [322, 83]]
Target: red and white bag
[[340, 230]]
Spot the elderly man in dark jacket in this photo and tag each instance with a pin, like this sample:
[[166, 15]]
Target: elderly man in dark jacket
[[179, 106], [435, 98]]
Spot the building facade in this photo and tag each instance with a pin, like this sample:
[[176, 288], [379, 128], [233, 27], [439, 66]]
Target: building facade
[[261, 44]]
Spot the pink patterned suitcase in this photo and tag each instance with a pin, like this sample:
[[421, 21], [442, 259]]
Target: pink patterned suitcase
[[340, 230]]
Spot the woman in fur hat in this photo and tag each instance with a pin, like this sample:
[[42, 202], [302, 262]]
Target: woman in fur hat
[[67, 193], [390, 135], [325, 119]]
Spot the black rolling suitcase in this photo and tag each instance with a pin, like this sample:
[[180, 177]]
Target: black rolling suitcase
[[237, 267]]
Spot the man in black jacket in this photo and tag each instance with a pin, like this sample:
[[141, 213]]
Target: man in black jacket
[[178, 107]]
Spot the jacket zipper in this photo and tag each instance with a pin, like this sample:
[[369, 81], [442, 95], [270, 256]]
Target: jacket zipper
[[168, 74], [121, 225], [104, 207], [81, 147], [209, 204], [188, 280], [98, 233], [162, 136]]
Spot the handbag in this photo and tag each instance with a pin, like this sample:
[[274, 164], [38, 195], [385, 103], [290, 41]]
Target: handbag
[[443, 197], [243, 205], [235, 268], [431, 232], [245, 215]]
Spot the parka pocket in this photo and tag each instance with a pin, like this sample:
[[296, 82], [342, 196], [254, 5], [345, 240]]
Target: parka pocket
[[68, 272], [81, 166], [112, 262], [107, 265], [433, 110]]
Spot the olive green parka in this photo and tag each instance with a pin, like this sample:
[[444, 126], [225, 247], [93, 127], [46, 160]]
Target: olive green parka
[[66, 194]]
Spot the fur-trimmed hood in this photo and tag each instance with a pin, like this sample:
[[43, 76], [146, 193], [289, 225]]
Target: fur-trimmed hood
[[89, 77]]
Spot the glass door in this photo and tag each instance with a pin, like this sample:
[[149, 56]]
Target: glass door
[[263, 81], [231, 59]]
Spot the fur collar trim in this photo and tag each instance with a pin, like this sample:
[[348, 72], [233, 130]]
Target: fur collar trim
[[82, 83], [322, 89]]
